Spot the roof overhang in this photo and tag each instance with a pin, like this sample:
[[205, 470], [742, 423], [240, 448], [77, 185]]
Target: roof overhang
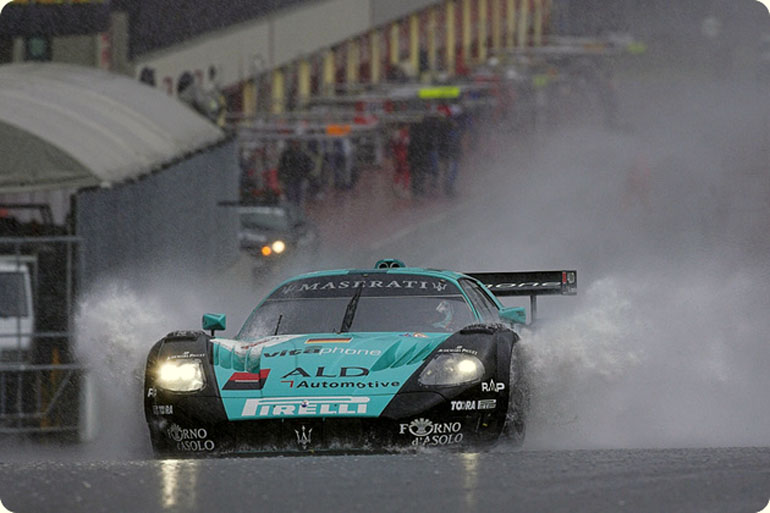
[[64, 126]]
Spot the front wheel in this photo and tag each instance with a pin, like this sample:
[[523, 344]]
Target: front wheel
[[161, 449], [515, 427]]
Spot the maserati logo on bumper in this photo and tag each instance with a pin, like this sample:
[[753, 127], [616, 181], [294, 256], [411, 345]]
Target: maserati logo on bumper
[[291, 407], [303, 439]]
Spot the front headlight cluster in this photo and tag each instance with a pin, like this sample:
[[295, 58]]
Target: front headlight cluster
[[452, 369], [276, 247], [181, 376]]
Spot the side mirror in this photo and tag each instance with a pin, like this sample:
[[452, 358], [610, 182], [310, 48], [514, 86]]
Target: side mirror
[[516, 315], [214, 322]]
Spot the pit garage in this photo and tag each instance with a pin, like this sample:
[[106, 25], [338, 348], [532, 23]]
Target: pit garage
[[101, 176]]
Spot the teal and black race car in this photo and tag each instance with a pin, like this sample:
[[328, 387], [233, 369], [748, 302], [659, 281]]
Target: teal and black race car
[[351, 360]]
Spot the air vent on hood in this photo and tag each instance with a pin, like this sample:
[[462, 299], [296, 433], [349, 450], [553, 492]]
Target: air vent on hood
[[402, 353]]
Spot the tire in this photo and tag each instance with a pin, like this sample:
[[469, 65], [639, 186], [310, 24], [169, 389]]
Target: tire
[[160, 446], [515, 427]]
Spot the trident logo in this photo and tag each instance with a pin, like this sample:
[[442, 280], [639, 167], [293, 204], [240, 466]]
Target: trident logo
[[303, 439]]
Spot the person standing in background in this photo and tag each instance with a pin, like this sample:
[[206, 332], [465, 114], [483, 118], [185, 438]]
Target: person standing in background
[[342, 158], [399, 146], [293, 170], [418, 157], [449, 148], [433, 127]]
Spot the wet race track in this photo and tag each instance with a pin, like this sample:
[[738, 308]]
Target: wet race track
[[716, 480], [664, 348]]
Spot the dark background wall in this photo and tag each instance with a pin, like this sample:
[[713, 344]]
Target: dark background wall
[[168, 224], [153, 24], [156, 24], [384, 11]]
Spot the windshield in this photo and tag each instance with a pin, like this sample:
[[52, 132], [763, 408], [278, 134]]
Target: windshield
[[387, 302], [373, 314], [266, 221], [13, 299], [271, 218]]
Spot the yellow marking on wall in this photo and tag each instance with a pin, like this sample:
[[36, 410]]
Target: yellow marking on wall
[[329, 73], [375, 64], [510, 24], [467, 32], [279, 92], [523, 30], [414, 44], [303, 81], [483, 20], [249, 98], [353, 61], [395, 44], [451, 36], [538, 35], [497, 25]]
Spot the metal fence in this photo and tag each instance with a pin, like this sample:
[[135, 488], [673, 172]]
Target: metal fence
[[43, 297], [167, 223], [41, 398], [40, 385]]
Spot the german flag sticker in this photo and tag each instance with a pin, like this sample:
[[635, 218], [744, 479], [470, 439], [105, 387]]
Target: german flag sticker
[[247, 380], [328, 340]]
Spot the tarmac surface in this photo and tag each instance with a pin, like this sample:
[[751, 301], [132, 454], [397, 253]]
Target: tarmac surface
[[696, 480]]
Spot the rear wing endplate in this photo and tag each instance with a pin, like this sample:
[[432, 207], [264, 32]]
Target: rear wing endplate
[[530, 283]]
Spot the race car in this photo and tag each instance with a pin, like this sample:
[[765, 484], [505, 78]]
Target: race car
[[351, 360]]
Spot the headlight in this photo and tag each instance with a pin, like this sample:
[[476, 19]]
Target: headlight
[[279, 246], [452, 369], [181, 376]]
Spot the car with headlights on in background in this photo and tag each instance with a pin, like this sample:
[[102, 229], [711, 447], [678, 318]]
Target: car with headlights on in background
[[275, 234], [351, 360]]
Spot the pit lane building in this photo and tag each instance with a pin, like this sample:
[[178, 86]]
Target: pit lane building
[[274, 55], [136, 174], [121, 166], [128, 182], [267, 56]]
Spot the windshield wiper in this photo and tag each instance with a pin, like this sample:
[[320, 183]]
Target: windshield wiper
[[350, 311], [278, 325]]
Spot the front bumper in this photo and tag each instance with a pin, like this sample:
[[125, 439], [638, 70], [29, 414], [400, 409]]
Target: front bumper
[[185, 430]]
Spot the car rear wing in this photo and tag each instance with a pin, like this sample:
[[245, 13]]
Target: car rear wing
[[531, 283]]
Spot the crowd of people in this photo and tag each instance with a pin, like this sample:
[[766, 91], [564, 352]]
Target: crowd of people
[[426, 155], [423, 157], [297, 169]]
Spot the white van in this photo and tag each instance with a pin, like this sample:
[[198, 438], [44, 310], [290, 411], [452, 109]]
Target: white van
[[17, 317]]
